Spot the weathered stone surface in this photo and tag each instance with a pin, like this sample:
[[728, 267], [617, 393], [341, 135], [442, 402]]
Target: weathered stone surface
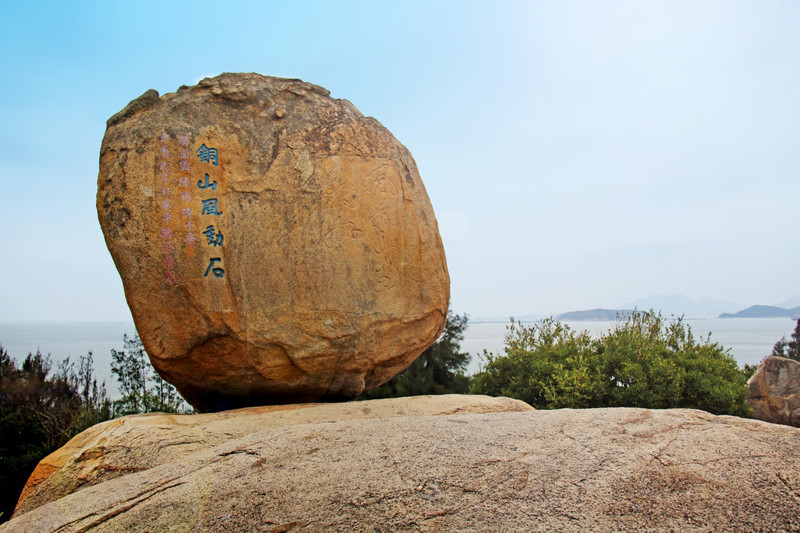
[[775, 391], [564, 470], [135, 443], [307, 265]]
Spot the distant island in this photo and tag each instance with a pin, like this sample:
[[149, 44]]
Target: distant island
[[600, 315], [764, 311], [675, 305], [754, 311]]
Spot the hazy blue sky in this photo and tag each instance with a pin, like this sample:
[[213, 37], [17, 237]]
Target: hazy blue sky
[[577, 154]]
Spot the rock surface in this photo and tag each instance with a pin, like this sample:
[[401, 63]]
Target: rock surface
[[775, 391], [135, 443], [275, 245], [565, 470]]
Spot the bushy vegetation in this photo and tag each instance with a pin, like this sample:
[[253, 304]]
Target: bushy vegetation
[[143, 390], [438, 370], [644, 361], [40, 410]]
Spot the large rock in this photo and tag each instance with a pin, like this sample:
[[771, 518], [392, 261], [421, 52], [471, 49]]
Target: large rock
[[274, 244], [564, 470], [775, 391], [139, 442]]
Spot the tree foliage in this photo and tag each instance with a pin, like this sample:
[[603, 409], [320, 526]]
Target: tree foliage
[[644, 361], [40, 409], [143, 390], [438, 370], [789, 349]]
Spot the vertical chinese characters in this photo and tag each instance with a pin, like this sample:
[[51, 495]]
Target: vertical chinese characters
[[185, 187], [210, 207], [167, 235]]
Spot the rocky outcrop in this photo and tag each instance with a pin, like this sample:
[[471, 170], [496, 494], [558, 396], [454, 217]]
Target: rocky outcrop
[[275, 245], [775, 391], [136, 443], [406, 470]]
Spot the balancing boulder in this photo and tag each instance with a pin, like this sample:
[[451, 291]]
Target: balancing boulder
[[274, 244]]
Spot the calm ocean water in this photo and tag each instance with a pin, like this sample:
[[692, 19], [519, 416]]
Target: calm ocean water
[[749, 339], [65, 339]]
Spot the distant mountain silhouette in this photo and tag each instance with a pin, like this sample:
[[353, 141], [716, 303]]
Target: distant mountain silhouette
[[790, 303], [595, 314], [763, 311], [675, 304], [678, 304]]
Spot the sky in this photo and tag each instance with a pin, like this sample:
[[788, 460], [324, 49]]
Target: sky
[[578, 154]]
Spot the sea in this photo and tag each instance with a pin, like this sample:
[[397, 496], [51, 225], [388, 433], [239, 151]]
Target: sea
[[62, 340], [748, 339]]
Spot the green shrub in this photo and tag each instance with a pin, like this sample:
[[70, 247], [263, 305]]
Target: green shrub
[[41, 410], [142, 389], [644, 361]]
